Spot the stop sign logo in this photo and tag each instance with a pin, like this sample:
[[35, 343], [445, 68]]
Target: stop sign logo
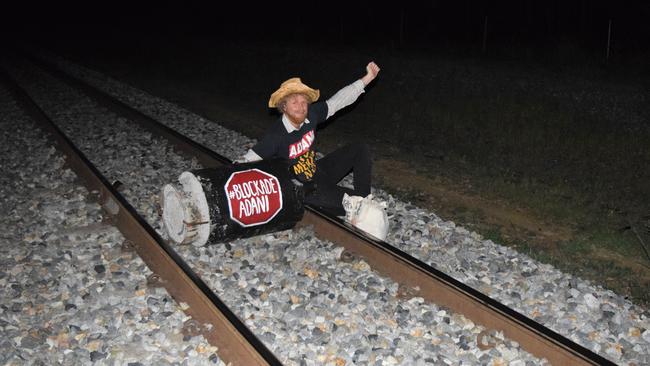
[[254, 197]]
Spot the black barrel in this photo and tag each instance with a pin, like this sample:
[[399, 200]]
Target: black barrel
[[243, 200]]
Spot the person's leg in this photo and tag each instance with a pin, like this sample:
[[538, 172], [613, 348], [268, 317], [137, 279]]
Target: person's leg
[[328, 197], [335, 166]]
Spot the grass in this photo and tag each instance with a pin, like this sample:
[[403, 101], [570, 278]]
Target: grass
[[602, 246], [582, 257]]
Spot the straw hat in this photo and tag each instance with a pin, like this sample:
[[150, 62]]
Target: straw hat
[[293, 86]]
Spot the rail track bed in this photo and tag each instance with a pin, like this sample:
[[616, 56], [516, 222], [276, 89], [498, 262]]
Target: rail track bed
[[73, 290], [310, 301]]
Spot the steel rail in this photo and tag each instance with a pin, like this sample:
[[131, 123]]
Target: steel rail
[[236, 343], [435, 286]]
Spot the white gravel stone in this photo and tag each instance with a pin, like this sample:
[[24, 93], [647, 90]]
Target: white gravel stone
[[646, 335], [591, 301]]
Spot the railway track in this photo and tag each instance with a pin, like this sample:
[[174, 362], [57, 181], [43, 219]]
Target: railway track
[[240, 346]]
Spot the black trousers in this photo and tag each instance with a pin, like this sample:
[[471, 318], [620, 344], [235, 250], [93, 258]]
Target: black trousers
[[332, 168]]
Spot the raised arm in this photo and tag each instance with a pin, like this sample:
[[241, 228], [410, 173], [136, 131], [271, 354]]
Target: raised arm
[[350, 93], [371, 73]]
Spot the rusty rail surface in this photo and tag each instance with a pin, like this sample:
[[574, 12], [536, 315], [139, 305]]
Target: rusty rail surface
[[236, 343], [435, 286]]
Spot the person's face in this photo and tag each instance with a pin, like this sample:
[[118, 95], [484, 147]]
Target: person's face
[[296, 108]]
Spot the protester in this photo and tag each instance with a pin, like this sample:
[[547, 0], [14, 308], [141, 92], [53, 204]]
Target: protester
[[292, 138]]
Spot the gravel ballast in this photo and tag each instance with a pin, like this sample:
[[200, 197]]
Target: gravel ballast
[[70, 294], [287, 285], [293, 291]]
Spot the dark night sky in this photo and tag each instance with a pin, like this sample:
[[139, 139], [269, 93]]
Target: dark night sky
[[512, 23]]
